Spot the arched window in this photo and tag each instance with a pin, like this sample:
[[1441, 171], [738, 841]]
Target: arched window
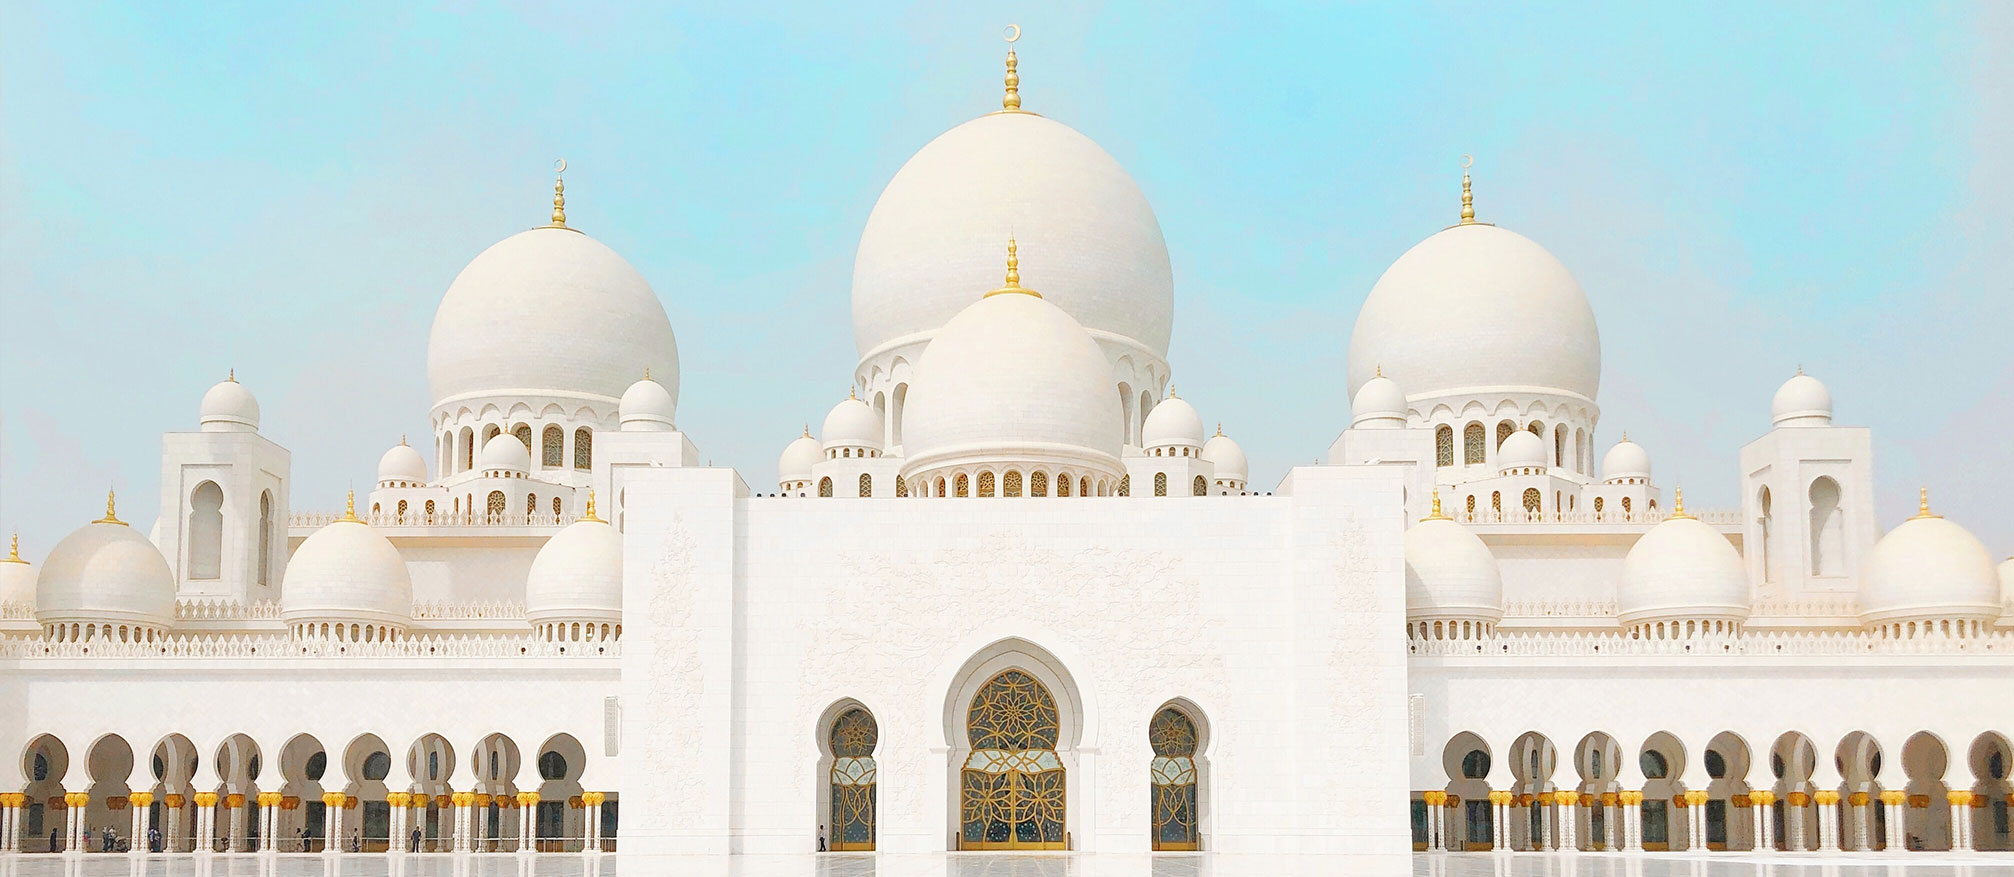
[[555, 508], [1472, 506], [963, 485], [986, 484], [1038, 484], [853, 737], [1173, 735], [1444, 445], [553, 454], [1532, 498], [1504, 430], [1828, 528], [1581, 464], [1497, 504], [1084, 485], [1063, 485], [1011, 788], [496, 504], [1625, 505], [901, 487], [583, 448], [399, 513], [825, 487], [1473, 449], [530, 505], [1199, 487], [940, 487], [266, 537], [468, 449], [866, 484], [1160, 484], [1125, 486], [523, 434], [430, 510], [1011, 485], [1768, 525], [1597, 505], [1559, 446], [206, 531]]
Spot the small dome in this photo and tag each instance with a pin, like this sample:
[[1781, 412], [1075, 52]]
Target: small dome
[[504, 453], [1521, 450], [106, 571], [402, 466], [1801, 401], [347, 572], [1626, 460], [577, 575], [1682, 570], [1227, 457], [1450, 573], [17, 578], [229, 407], [798, 457], [851, 424], [647, 407], [1175, 423], [1929, 568], [1379, 404], [2007, 587]]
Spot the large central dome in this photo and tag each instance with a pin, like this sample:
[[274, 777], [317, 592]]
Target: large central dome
[[935, 236]]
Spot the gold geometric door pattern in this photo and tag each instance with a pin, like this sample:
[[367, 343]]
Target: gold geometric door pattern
[[1173, 736], [1011, 791], [853, 738]]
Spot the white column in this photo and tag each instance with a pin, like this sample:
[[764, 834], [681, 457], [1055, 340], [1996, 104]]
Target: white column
[[526, 804], [1961, 819], [1569, 817], [1894, 800]]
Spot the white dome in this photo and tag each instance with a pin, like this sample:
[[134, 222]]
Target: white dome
[[1227, 457], [647, 407], [798, 457], [576, 575], [1626, 460], [402, 466], [1801, 401], [1521, 450], [933, 239], [1450, 573], [1928, 567], [2007, 586], [229, 407], [851, 424], [1379, 404], [17, 578], [1012, 379], [548, 311], [1682, 570], [106, 572], [504, 453], [1172, 422], [1477, 307], [347, 572]]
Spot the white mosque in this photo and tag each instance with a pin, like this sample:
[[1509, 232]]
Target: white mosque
[[1013, 593]]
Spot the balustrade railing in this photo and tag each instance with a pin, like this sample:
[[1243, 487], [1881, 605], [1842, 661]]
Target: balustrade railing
[[1745, 644], [280, 646], [435, 520], [1585, 516]]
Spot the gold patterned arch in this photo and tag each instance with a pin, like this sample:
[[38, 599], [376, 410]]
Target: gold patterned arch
[[853, 737], [1173, 736], [1011, 791]]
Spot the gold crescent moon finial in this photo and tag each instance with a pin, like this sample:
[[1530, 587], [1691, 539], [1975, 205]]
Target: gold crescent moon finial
[[558, 194], [559, 167], [1468, 161], [1012, 33], [1468, 196]]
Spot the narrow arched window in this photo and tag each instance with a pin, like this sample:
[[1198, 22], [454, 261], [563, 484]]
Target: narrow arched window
[[1084, 485], [523, 434], [963, 485], [1504, 430], [1160, 484], [468, 449], [1828, 542], [266, 537], [530, 505], [1472, 506], [866, 484], [1038, 484], [1444, 445], [1559, 446], [430, 510], [1532, 498], [1582, 463], [1125, 486], [553, 454], [985, 484], [1625, 505], [491, 431], [1497, 503], [1473, 449], [1597, 505], [496, 503], [901, 487], [555, 508], [825, 487], [1063, 485], [206, 531], [400, 511], [1200, 487], [583, 448], [1011, 485], [940, 487]]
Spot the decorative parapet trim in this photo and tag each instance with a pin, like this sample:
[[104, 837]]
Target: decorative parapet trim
[[435, 521], [1746, 644], [1809, 607], [221, 609], [507, 610], [16, 612], [268, 646], [1560, 609], [1646, 517]]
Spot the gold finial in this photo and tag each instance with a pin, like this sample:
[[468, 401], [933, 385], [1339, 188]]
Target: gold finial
[[1678, 503], [402, 438], [590, 507], [1011, 103], [807, 430], [849, 393], [646, 372], [1800, 368], [14, 549], [231, 376], [111, 510], [350, 509], [1381, 370], [1436, 515], [1468, 196], [1220, 427], [559, 194], [1013, 283], [1625, 435], [1923, 504]]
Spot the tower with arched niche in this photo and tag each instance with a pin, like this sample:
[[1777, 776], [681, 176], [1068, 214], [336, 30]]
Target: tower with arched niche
[[223, 524], [1807, 496]]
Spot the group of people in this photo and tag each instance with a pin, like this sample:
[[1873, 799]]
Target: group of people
[[108, 841]]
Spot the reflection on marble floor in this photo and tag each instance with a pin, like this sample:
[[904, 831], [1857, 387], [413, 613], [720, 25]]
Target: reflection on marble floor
[[1003, 865]]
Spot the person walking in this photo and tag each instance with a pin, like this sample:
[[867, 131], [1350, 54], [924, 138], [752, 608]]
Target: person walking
[[416, 840], [53, 835]]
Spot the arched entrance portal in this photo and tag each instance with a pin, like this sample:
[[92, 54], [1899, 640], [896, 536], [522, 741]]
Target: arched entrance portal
[[1173, 736], [852, 806], [1011, 790]]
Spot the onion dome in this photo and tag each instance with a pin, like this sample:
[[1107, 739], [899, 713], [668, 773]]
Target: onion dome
[[1801, 401], [647, 406], [344, 574], [548, 312], [402, 466], [798, 457], [1227, 458], [1683, 571], [1012, 380], [105, 574], [504, 456], [935, 233], [17, 577], [1475, 310], [1450, 573], [1521, 453], [1173, 427], [1928, 569], [229, 407], [852, 425], [1379, 404], [1627, 460], [576, 577]]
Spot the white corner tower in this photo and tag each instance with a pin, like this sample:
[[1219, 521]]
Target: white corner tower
[[223, 525], [1807, 497]]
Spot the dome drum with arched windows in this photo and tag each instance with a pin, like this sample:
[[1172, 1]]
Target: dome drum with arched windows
[[647, 406], [1683, 578], [504, 457], [1929, 570], [576, 579], [104, 580], [1173, 429], [851, 430], [347, 577], [1451, 576], [402, 466], [1626, 463]]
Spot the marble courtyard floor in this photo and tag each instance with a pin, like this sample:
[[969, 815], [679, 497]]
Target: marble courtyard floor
[[1009, 865]]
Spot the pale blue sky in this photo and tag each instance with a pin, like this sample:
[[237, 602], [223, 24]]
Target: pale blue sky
[[1739, 187]]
